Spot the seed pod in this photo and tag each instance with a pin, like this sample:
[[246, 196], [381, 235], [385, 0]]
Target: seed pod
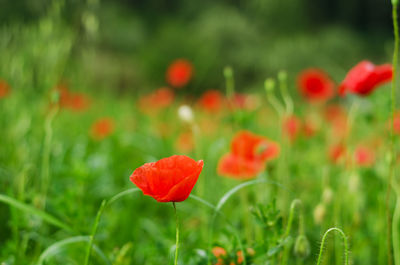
[[302, 247]]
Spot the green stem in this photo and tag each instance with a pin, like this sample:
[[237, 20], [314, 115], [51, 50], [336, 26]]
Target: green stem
[[396, 232], [295, 204], [45, 169], [392, 148], [345, 242], [282, 76], [177, 235], [94, 229]]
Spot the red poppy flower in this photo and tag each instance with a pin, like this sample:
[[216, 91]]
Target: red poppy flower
[[72, 100], [396, 124], [159, 99], [310, 127], [248, 155], [170, 179], [179, 73], [237, 167], [291, 127], [364, 156], [363, 78], [336, 152], [185, 142], [102, 128], [211, 101], [240, 256], [315, 85], [337, 117], [78, 101], [4, 89], [218, 252], [254, 147]]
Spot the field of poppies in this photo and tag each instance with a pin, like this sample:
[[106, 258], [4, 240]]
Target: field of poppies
[[183, 158]]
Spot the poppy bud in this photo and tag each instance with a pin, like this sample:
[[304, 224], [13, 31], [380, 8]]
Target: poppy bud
[[302, 247], [319, 213], [282, 76], [228, 72], [269, 85], [327, 195]]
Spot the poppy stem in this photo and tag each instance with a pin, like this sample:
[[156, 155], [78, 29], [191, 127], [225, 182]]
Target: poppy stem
[[177, 235], [345, 242], [295, 204], [45, 166], [392, 147]]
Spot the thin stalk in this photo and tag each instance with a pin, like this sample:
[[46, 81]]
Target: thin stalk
[[396, 232], [45, 169], [345, 242], [392, 147], [282, 76], [94, 230], [177, 235], [295, 204]]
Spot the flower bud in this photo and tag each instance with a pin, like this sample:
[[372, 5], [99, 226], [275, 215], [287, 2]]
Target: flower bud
[[269, 85], [282, 76], [319, 213], [327, 195], [302, 247], [228, 72]]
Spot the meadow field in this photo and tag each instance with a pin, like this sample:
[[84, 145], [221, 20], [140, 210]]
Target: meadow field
[[223, 133]]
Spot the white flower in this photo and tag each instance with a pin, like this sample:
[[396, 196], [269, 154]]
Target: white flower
[[185, 113]]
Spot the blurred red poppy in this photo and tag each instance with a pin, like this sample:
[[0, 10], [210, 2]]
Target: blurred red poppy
[[185, 142], [179, 73], [254, 147], [4, 89], [218, 252], [336, 153], [363, 78], [336, 116], [237, 167], [315, 85], [72, 100], [310, 127], [364, 156], [211, 101], [396, 124], [240, 256], [170, 179], [291, 127], [248, 155], [159, 99], [102, 128], [78, 101]]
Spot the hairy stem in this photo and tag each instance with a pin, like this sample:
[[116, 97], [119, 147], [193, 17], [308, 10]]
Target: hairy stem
[[177, 235], [345, 242]]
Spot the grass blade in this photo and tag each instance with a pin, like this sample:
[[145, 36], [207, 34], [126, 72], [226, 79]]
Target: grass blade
[[58, 246], [34, 211]]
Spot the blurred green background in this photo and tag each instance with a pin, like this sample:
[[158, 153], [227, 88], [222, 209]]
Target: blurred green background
[[126, 46]]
